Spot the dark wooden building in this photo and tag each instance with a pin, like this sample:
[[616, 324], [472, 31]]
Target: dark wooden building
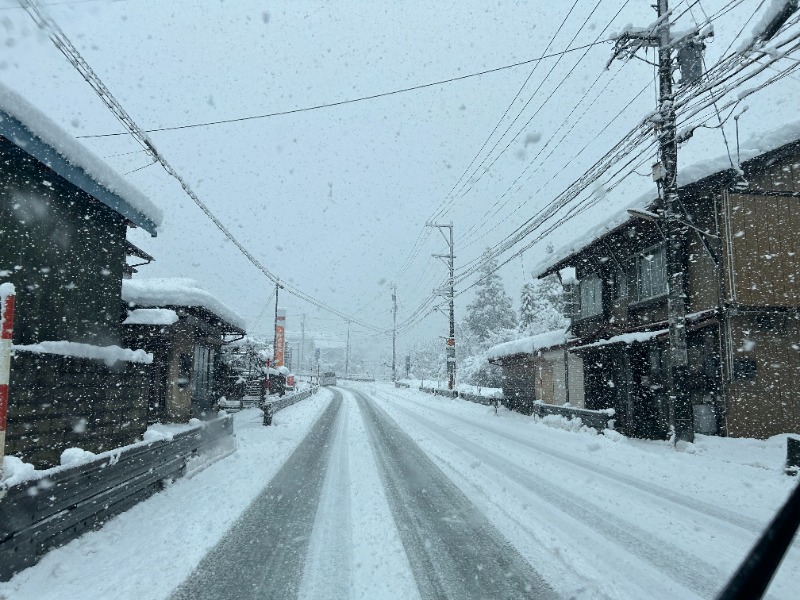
[[63, 221], [742, 297], [183, 326], [539, 368]]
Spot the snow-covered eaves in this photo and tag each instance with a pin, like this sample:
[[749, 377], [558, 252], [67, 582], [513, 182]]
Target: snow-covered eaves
[[36, 134], [625, 338], [528, 345], [177, 291], [108, 354], [151, 316], [697, 173]]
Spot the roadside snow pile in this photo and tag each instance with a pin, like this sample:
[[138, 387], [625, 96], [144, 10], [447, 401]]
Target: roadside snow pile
[[151, 316], [528, 345], [75, 153], [176, 291], [108, 354]]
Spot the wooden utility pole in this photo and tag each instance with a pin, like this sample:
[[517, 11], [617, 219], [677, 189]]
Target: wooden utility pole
[[680, 403], [666, 174], [450, 294], [302, 343], [347, 352], [394, 333]]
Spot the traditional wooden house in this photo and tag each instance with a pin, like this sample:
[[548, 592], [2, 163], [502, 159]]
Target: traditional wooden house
[[741, 288], [63, 221], [183, 326], [539, 368]]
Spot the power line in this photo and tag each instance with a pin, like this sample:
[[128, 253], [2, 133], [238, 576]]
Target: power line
[[462, 192], [437, 213], [449, 199], [691, 109], [65, 46], [351, 100]]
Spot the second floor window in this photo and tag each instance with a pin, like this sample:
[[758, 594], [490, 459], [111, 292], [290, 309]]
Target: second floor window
[[591, 296], [651, 273]]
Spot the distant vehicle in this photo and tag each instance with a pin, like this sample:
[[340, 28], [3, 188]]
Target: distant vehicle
[[328, 378]]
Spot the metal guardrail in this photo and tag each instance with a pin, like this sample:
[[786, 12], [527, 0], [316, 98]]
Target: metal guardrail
[[38, 515], [270, 407]]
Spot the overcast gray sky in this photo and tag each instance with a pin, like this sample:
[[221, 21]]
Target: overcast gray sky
[[334, 199]]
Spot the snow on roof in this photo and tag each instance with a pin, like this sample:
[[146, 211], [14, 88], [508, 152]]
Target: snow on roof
[[177, 291], [151, 316], [108, 354], [617, 213], [626, 338], [528, 345], [30, 129]]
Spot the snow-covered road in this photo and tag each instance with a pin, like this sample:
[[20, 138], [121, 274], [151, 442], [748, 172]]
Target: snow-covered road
[[600, 516], [296, 538], [374, 492]]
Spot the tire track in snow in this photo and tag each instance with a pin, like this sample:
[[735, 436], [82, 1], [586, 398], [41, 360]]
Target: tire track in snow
[[263, 554], [453, 550], [686, 570], [327, 572], [659, 492]]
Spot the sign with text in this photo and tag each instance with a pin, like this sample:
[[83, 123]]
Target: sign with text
[[280, 329]]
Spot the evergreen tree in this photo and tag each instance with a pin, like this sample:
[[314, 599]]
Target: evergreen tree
[[542, 306], [491, 310]]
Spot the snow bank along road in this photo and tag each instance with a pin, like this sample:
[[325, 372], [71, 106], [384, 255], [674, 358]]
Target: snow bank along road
[[297, 539]]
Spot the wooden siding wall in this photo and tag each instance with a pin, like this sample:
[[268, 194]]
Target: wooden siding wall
[[518, 381], [60, 402], [768, 403], [702, 280], [63, 250], [764, 238]]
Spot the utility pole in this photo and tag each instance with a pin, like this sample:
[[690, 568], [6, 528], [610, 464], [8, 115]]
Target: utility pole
[[347, 352], [302, 343], [666, 174], [394, 333], [450, 294]]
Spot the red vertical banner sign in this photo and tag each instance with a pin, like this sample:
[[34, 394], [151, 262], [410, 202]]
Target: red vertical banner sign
[[280, 330], [7, 296]]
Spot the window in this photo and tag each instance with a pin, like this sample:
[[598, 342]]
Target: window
[[647, 273], [653, 273], [591, 296], [620, 284]]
